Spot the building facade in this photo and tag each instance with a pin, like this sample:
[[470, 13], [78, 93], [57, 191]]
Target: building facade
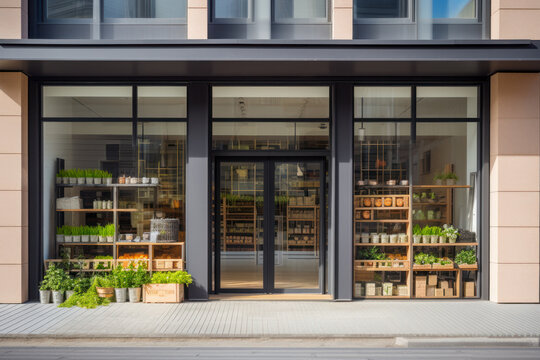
[[357, 148]]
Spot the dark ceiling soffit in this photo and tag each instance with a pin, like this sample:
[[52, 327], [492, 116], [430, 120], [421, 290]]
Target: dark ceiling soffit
[[257, 58]]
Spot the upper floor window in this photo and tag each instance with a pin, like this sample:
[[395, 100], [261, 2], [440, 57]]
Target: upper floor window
[[232, 10], [453, 9], [381, 9], [69, 9], [144, 9], [300, 11]]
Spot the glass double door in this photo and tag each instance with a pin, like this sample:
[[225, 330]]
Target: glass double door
[[269, 226]]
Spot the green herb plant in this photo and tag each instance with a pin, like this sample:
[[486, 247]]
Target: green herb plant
[[171, 277], [466, 257]]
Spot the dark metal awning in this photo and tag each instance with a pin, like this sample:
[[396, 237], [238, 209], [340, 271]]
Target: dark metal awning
[[268, 58]]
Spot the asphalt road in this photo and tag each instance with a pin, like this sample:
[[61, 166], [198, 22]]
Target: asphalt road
[[238, 353]]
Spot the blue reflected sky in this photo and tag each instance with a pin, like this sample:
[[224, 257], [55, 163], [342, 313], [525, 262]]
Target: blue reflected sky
[[449, 8]]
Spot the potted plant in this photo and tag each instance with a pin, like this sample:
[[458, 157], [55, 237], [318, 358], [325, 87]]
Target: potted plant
[[451, 178], [94, 234], [82, 284], [69, 287], [432, 198], [76, 233], [416, 198], [97, 176], [88, 176], [72, 175], [136, 279], [68, 237], [385, 239], [102, 237], [417, 234], [110, 231], [442, 237], [438, 179], [435, 232], [393, 238], [107, 177], [104, 286], [120, 282], [56, 279], [59, 234], [85, 234], [166, 287], [81, 176], [466, 259], [45, 290], [451, 233], [426, 234]]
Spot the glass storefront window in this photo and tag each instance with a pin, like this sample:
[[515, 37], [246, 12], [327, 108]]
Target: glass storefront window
[[453, 9], [145, 9], [69, 9], [304, 10], [373, 9], [292, 102], [161, 101], [228, 135], [458, 102], [87, 101], [382, 102]]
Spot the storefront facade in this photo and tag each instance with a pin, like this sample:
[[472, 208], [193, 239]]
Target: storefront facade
[[323, 167]]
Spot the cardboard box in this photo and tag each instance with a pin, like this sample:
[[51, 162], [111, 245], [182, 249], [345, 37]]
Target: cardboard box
[[358, 290], [444, 284], [388, 289], [421, 280], [430, 290], [370, 289], [402, 290], [469, 288], [439, 292], [432, 280], [448, 292], [163, 293]]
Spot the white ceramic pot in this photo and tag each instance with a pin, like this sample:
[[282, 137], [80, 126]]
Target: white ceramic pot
[[365, 238], [375, 238], [110, 239], [72, 181], [393, 238], [155, 180], [76, 238], [434, 239], [450, 182], [438, 182], [385, 239], [452, 240], [94, 238], [109, 205], [58, 180], [68, 238], [59, 238], [108, 181], [417, 239], [442, 239], [81, 181], [89, 181], [426, 239], [145, 180], [403, 238], [97, 181], [102, 239], [65, 180], [85, 238]]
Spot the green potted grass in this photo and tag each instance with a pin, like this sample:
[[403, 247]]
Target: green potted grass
[[57, 280], [121, 283], [68, 237], [417, 234], [426, 235], [45, 290], [166, 287], [96, 174], [135, 280], [451, 179]]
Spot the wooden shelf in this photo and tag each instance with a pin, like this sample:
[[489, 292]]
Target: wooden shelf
[[429, 204], [387, 269], [381, 244], [383, 297], [441, 186], [84, 244], [102, 210], [383, 208], [147, 243], [383, 221], [447, 244], [110, 185], [303, 206]]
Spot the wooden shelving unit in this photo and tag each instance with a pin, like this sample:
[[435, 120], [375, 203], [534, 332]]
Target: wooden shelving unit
[[307, 237], [239, 238]]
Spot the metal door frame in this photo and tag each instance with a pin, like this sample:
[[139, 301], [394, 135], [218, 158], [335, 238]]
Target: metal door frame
[[269, 163]]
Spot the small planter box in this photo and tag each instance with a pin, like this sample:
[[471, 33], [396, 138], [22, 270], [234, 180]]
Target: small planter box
[[163, 293], [468, 266], [421, 267]]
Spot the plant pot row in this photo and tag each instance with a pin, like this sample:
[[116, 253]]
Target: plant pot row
[[84, 238], [433, 239], [83, 181]]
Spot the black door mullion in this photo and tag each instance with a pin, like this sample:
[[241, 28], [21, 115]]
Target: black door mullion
[[271, 219]]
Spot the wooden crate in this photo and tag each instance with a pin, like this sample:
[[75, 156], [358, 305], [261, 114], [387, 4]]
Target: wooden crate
[[469, 288], [163, 293]]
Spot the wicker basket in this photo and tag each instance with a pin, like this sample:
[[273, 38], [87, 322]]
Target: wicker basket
[[167, 229]]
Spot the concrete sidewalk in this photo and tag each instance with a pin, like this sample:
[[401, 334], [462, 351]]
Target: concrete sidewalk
[[275, 319]]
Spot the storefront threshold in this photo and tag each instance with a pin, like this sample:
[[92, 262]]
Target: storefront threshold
[[271, 297]]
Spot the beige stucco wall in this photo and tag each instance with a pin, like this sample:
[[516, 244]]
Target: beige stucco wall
[[13, 187], [197, 19], [515, 188], [515, 19], [342, 19], [13, 19]]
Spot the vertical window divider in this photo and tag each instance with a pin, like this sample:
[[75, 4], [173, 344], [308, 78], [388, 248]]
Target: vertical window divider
[[96, 20]]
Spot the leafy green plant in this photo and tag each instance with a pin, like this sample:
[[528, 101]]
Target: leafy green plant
[[121, 277], [88, 299], [417, 230], [449, 231], [371, 253], [55, 278], [142, 276], [439, 177], [104, 281], [432, 195], [466, 257], [171, 277], [425, 259], [451, 176], [82, 284]]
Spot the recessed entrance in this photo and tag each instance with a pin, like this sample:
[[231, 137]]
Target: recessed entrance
[[269, 229]]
